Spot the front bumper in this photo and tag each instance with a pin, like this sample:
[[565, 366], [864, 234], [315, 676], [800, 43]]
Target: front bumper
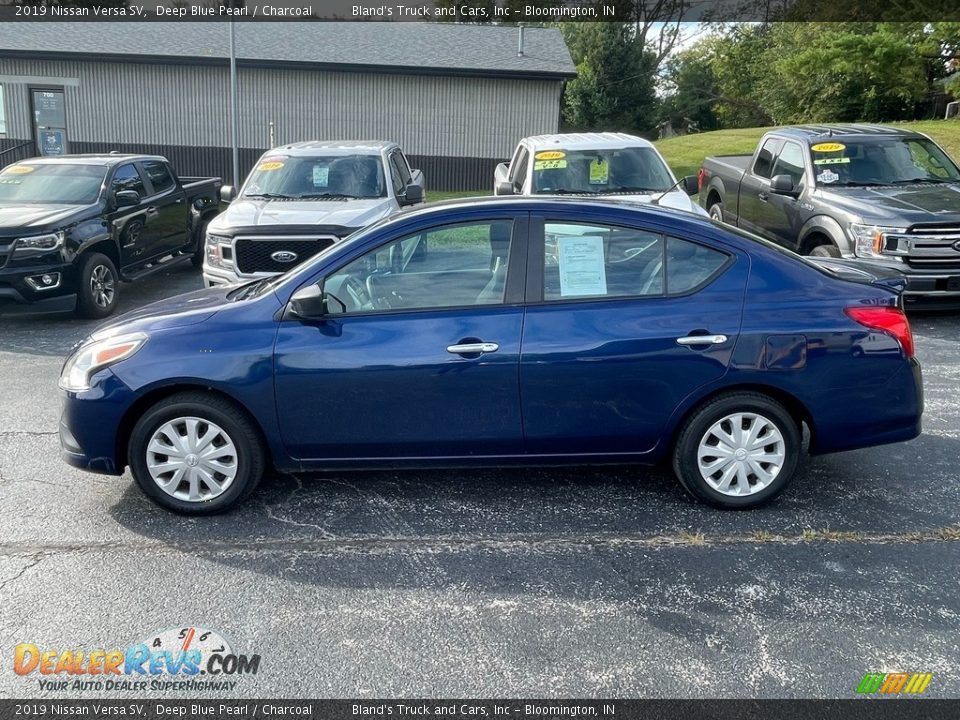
[[91, 422], [216, 276], [19, 295]]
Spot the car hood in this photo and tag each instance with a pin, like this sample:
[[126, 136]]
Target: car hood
[[21, 217], [272, 213], [178, 311], [903, 205]]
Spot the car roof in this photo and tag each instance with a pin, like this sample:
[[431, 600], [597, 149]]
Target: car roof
[[811, 133], [586, 141], [352, 147], [107, 159]]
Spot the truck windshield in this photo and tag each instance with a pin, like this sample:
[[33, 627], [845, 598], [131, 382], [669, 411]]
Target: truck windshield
[[51, 184], [632, 169], [881, 161], [317, 177]]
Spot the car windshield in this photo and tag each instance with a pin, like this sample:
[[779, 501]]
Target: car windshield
[[317, 177], [51, 184], [881, 161], [632, 169]]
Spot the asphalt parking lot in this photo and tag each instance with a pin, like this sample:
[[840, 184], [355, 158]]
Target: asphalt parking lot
[[591, 582]]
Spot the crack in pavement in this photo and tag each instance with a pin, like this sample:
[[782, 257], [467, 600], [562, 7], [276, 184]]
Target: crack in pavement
[[30, 433], [428, 545], [35, 559]]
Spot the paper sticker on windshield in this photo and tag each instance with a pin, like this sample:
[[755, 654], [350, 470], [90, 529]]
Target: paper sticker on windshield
[[828, 176], [320, 175], [599, 172], [18, 170], [550, 155], [828, 147], [549, 164], [832, 161], [268, 165]]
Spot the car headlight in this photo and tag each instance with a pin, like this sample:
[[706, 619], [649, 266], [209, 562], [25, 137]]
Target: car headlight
[[27, 247], [95, 356], [218, 249], [868, 240]]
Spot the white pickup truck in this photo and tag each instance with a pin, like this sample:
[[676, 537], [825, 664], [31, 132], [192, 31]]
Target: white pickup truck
[[613, 164], [299, 200]]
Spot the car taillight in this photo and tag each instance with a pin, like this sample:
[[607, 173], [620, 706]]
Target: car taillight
[[701, 178], [886, 319]]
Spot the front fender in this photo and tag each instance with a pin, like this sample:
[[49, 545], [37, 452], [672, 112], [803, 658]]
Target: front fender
[[826, 225]]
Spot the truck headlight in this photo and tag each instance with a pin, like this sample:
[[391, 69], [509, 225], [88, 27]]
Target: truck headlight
[[28, 247], [218, 250], [94, 356], [868, 240]]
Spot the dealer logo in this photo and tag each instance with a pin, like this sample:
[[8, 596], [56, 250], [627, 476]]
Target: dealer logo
[[184, 658]]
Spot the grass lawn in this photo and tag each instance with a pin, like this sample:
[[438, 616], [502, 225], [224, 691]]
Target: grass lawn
[[435, 195], [685, 154]]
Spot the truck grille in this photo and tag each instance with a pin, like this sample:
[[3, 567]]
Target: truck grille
[[255, 254], [930, 247]]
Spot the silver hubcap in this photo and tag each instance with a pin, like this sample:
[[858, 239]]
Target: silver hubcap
[[716, 213], [741, 454], [102, 285], [192, 459]]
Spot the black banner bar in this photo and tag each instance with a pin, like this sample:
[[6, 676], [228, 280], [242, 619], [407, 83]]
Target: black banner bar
[[855, 709]]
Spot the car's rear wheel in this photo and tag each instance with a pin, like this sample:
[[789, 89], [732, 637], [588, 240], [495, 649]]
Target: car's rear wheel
[[716, 211], [738, 451], [196, 454]]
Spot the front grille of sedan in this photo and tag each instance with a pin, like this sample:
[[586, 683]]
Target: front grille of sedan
[[256, 254]]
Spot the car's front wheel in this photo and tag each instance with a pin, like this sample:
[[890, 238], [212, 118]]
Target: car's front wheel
[[196, 454], [737, 451], [97, 294]]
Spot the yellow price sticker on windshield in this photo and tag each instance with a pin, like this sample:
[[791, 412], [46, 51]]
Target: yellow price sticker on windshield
[[18, 170], [599, 172], [269, 165], [549, 164], [828, 147], [550, 155]]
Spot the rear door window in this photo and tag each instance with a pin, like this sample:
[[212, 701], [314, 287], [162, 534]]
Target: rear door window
[[159, 174]]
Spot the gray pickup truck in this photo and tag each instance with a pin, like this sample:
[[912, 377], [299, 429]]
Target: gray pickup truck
[[883, 196]]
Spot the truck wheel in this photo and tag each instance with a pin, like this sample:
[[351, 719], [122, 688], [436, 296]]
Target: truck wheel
[[196, 454], [97, 294], [197, 258], [826, 250], [738, 451], [716, 211]]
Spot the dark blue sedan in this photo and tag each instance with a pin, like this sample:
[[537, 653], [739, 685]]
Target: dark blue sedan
[[498, 332]]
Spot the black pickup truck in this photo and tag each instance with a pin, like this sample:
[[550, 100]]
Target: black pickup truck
[[883, 196], [72, 227]]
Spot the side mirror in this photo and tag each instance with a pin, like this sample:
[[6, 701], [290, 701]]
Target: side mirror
[[783, 185], [500, 173], [412, 195], [503, 188], [126, 198], [227, 193], [691, 185], [308, 302]]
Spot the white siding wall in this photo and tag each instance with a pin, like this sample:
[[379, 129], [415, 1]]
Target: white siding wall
[[188, 106]]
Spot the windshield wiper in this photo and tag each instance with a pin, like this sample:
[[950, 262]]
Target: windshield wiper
[[916, 181], [625, 188], [853, 183], [271, 196], [334, 196]]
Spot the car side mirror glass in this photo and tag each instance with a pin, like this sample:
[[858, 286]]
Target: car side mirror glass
[[782, 185], [127, 198], [503, 188], [413, 194], [691, 185], [309, 302], [227, 193]]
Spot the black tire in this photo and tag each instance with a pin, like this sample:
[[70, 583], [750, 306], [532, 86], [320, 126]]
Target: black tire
[[685, 452], [197, 258], [250, 455], [97, 292], [827, 249], [716, 211]]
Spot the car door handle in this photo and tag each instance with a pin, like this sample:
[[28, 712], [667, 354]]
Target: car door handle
[[702, 340], [763, 196], [473, 348]]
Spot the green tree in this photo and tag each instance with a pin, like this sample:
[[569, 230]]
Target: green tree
[[616, 77]]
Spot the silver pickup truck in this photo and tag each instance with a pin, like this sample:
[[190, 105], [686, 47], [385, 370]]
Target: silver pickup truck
[[881, 196], [299, 200]]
